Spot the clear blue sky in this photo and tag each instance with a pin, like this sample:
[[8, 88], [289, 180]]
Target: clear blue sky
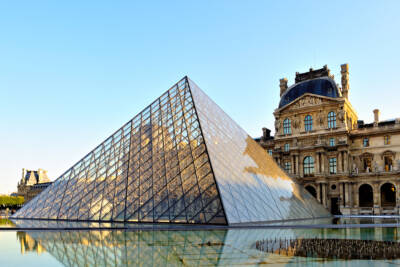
[[72, 72]]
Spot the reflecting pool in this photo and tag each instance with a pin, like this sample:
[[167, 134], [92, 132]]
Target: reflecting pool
[[195, 247]]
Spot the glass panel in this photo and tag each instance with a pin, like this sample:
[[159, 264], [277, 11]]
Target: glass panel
[[251, 185]]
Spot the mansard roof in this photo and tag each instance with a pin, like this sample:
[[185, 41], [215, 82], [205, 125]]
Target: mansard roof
[[323, 86]]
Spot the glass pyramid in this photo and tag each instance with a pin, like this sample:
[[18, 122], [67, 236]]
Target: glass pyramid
[[181, 160], [130, 248]]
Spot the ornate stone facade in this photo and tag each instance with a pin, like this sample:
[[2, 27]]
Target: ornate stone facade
[[349, 166], [32, 183]]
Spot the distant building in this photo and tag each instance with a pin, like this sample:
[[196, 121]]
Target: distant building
[[351, 167], [32, 183]]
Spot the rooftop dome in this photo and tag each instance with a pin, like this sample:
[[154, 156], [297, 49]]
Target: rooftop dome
[[323, 86]]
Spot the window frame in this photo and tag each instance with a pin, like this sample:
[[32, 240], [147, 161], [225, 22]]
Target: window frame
[[286, 147], [287, 126], [308, 166], [386, 140], [287, 166], [366, 142], [332, 120], [332, 141], [308, 123], [333, 165]]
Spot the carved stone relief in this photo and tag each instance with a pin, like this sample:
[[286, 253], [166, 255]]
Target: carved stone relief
[[277, 125], [296, 123], [306, 102], [321, 119], [341, 115]]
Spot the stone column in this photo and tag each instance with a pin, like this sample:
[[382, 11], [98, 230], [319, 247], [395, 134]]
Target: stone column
[[346, 161], [341, 190], [377, 198], [324, 196], [356, 198], [339, 162], [347, 194], [351, 194], [318, 185], [297, 165], [301, 172], [293, 159], [397, 197], [317, 163], [322, 158]]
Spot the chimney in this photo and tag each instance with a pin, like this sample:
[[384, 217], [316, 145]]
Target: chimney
[[266, 133], [345, 80], [376, 117], [283, 85]]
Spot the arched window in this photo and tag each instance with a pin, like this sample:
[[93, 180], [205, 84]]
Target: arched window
[[308, 123], [331, 120], [287, 127], [308, 164], [365, 196], [388, 195]]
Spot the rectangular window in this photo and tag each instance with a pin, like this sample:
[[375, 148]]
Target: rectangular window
[[287, 147], [332, 142], [287, 126], [332, 166], [366, 142], [308, 123], [387, 139], [288, 166]]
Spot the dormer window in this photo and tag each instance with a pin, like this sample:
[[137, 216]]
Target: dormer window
[[331, 120], [287, 126], [308, 123]]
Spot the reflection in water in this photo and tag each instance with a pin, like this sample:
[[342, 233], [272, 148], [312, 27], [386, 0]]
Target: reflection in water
[[331, 248], [28, 244], [6, 223], [124, 248], [190, 248]]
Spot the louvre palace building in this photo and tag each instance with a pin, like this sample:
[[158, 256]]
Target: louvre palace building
[[349, 166], [32, 183]]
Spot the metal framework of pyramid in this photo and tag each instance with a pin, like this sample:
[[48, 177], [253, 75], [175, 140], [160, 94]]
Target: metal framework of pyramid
[[180, 160]]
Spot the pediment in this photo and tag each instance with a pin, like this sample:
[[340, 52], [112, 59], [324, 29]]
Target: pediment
[[308, 100]]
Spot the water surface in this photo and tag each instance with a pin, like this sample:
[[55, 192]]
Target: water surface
[[221, 247]]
